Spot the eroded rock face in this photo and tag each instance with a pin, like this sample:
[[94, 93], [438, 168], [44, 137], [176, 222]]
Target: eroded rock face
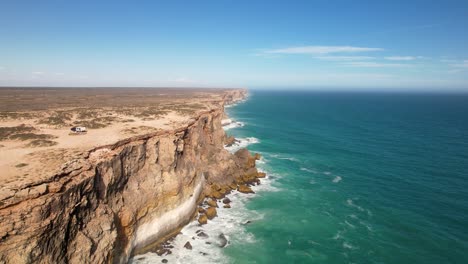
[[103, 208]]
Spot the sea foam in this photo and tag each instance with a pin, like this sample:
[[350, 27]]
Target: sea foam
[[242, 143], [233, 125], [337, 179]]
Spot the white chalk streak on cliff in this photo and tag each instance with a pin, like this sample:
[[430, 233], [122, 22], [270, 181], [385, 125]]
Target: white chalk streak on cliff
[[170, 220]]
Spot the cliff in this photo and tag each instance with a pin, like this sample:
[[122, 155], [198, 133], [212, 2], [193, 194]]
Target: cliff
[[114, 200]]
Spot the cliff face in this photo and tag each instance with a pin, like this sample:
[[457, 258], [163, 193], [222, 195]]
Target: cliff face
[[117, 199]]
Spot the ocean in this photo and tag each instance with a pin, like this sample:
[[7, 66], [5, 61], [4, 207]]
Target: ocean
[[352, 178]]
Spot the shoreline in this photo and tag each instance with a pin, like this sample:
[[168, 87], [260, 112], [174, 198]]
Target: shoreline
[[193, 237]]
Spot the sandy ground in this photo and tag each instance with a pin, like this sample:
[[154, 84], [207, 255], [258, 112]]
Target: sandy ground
[[21, 163]]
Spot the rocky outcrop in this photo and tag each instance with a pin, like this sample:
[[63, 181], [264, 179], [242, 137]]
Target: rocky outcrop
[[235, 96], [118, 199], [229, 141]]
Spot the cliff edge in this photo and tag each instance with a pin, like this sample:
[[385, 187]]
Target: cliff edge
[[116, 199]]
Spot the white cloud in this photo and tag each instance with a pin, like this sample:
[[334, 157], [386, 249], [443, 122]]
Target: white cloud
[[2, 68], [344, 58], [367, 64], [38, 73], [448, 61], [400, 58], [463, 64], [321, 50]]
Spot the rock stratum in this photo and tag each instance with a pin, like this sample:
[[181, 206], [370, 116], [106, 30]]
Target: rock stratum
[[117, 199]]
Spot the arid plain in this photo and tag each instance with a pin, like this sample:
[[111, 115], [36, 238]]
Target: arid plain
[[35, 123]]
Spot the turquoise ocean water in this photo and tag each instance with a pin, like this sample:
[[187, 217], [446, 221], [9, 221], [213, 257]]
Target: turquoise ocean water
[[352, 178]]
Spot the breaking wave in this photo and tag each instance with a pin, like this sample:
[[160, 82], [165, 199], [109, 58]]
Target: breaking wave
[[242, 143]]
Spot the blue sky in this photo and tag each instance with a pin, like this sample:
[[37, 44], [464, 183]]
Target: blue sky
[[384, 45]]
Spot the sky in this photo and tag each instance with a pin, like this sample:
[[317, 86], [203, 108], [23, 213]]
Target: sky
[[376, 45]]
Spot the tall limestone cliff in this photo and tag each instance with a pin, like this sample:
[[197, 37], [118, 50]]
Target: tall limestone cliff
[[117, 199]]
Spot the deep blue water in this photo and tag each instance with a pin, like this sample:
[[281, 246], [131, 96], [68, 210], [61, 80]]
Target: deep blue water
[[359, 177]]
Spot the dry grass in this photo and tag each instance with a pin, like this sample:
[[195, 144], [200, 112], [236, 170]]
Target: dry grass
[[184, 109], [101, 122], [18, 115], [58, 119], [42, 143], [30, 136], [8, 132], [20, 165], [41, 99], [88, 113], [140, 129]]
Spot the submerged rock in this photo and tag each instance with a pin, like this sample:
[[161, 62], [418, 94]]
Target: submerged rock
[[203, 235], [162, 251], [226, 200], [222, 240], [188, 245], [227, 206]]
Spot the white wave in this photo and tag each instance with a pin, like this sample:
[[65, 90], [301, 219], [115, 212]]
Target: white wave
[[261, 161], [312, 242], [233, 125], [226, 121], [327, 173], [278, 156], [231, 105], [353, 216], [338, 235], [337, 179], [267, 183], [312, 182], [309, 170], [242, 143], [348, 245], [368, 226], [349, 224], [352, 204], [236, 103]]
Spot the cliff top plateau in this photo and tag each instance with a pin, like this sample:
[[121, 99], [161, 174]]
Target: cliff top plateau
[[35, 123]]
